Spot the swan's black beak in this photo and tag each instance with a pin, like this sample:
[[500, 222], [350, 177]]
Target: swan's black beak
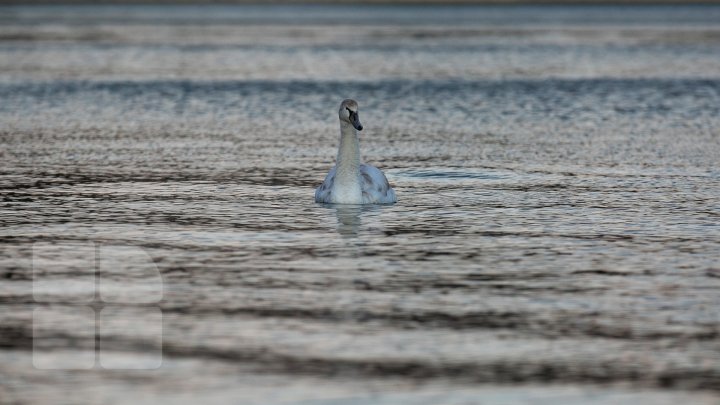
[[355, 120]]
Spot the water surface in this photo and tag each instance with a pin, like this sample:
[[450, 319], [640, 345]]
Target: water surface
[[555, 238]]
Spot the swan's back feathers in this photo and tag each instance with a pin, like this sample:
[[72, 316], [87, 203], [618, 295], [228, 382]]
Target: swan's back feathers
[[323, 194], [373, 183], [375, 187]]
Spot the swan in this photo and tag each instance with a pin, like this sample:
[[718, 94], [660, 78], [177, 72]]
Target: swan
[[352, 182]]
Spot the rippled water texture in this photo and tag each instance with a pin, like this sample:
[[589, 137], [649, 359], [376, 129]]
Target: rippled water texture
[[555, 241]]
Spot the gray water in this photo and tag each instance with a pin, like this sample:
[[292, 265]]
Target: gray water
[[555, 238]]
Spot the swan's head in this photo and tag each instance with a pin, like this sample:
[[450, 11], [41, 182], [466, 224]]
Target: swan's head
[[349, 113]]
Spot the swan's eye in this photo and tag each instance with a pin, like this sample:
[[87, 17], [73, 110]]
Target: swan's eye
[[349, 111]]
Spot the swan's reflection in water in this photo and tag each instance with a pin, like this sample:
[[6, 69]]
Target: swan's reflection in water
[[349, 218]]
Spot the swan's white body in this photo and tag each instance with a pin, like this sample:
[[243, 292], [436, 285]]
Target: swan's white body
[[352, 182]]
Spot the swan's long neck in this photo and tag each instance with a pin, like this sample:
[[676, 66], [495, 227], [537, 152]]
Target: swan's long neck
[[349, 153], [347, 177]]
